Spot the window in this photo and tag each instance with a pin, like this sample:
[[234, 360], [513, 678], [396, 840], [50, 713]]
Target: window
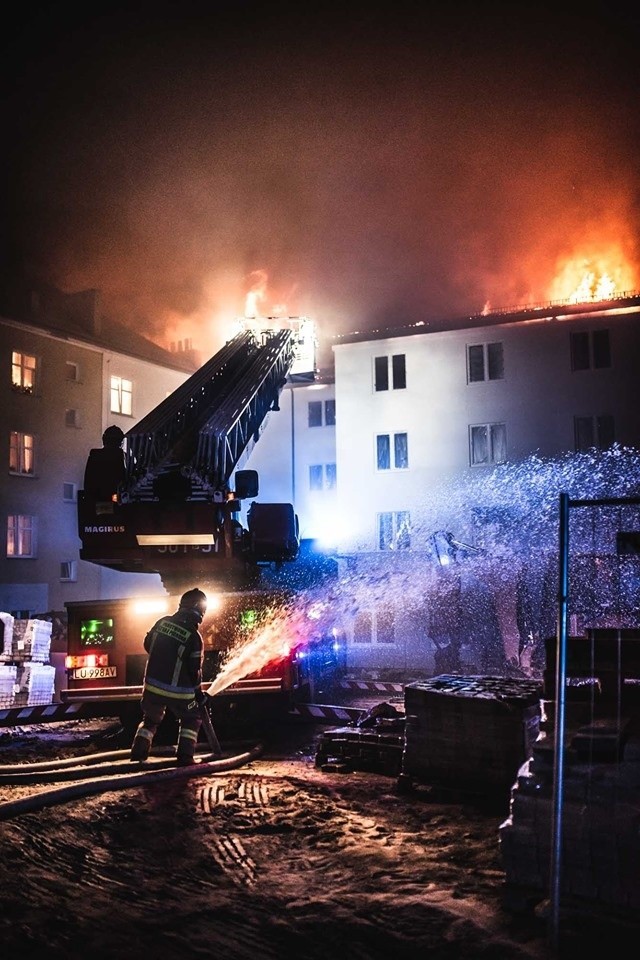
[[21, 453], [316, 476], [322, 476], [21, 536], [315, 411], [394, 530], [330, 413], [374, 626], [121, 396], [485, 362], [69, 492], [72, 371], [488, 443], [593, 432], [72, 418], [398, 372], [23, 372], [68, 571], [590, 350], [400, 451]]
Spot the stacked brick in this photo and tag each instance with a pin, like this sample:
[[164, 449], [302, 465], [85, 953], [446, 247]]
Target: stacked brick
[[469, 733], [599, 823], [26, 676]]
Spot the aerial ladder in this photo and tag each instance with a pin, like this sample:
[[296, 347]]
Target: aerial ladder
[[176, 513]]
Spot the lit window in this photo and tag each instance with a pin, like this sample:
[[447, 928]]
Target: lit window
[[394, 530], [21, 536], [121, 396], [488, 443], [23, 372], [381, 372], [400, 451], [596, 432], [590, 350], [21, 453], [485, 361]]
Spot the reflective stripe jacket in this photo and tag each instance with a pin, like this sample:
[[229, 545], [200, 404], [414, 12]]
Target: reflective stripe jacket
[[174, 664]]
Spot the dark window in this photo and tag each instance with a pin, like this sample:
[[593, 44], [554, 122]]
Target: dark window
[[590, 350], [330, 413], [315, 413], [495, 361], [381, 373], [399, 372], [331, 475], [593, 432], [485, 362]]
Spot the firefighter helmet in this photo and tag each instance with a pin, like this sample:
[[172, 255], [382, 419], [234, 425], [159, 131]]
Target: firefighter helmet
[[194, 600]]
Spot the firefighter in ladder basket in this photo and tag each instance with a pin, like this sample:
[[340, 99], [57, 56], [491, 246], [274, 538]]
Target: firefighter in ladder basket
[[172, 678]]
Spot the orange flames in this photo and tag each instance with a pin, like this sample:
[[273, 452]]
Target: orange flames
[[588, 279]]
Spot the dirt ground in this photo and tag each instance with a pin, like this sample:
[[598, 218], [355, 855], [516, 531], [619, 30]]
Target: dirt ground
[[274, 858]]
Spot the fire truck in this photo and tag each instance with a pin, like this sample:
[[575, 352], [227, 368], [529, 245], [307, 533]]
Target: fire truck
[[172, 507]]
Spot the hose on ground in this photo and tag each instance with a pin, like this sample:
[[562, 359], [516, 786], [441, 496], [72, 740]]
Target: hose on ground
[[49, 798]]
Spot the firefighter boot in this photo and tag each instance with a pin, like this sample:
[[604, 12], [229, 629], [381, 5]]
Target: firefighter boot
[[186, 746], [141, 746]]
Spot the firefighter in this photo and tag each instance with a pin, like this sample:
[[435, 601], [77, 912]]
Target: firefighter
[[172, 678], [106, 466]]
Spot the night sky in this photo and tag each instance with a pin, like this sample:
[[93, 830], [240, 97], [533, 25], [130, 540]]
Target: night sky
[[363, 167]]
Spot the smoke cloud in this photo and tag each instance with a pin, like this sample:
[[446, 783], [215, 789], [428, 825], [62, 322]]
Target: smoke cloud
[[370, 169]]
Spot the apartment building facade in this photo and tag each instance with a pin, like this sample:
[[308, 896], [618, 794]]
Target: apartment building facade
[[65, 376], [418, 408]]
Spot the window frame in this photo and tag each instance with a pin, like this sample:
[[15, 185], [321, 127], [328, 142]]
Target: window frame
[[590, 350], [17, 530], [118, 392], [21, 381], [491, 442], [390, 452], [391, 526], [22, 454], [599, 428], [389, 371], [490, 362]]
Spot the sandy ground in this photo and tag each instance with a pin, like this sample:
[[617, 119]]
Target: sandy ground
[[275, 858]]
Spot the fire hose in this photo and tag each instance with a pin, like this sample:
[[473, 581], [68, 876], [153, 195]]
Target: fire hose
[[110, 777]]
